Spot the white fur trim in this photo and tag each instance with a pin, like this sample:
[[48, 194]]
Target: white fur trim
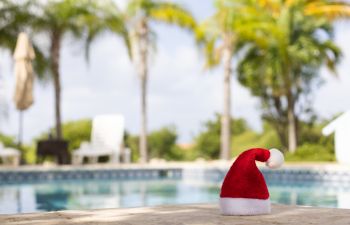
[[276, 159], [244, 206]]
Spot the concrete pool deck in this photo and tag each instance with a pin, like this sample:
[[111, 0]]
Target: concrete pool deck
[[200, 214]]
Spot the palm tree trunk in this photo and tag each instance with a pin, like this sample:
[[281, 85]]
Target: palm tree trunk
[[143, 134], [226, 115], [55, 57], [143, 72], [292, 132]]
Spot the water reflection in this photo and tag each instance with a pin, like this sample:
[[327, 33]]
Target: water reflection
[[52, 201], [17, 199], [113, 194]]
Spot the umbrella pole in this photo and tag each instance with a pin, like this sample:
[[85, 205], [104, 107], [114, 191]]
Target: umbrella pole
[[20, 128]]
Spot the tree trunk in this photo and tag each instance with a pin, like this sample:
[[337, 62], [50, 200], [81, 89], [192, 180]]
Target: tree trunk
[[226, 115], [55, 58], [280, 121], [292, 132], [143, 72]]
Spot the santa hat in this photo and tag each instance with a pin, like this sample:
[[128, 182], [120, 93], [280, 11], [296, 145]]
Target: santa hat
[[244, 191]]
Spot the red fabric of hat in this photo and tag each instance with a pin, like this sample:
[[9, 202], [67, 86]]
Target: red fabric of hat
[[244, 179]]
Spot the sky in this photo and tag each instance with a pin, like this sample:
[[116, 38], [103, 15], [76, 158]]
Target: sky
[[181, 92]]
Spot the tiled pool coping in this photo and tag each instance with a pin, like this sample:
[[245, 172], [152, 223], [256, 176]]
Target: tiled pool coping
[[207, 171], [10, 177], [203, 214]]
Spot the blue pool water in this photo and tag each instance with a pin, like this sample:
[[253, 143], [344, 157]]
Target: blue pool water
[[92, 194]]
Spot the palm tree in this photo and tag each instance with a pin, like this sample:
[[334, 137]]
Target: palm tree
[[139, 39], [139, 14], [288, 65], [221, 37], [55, 20]]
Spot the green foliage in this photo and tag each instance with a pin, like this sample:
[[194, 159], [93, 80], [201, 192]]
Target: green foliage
[[126, 24], [312, 133], [251, 139], [56, 19], [76, 132], [109, 18], [132, 142], [138, 33], [13, 17], [161, 11], [284, 72], [313, 145], [161, 144], [233, 24], [8, 141], [29, 154], [311, 152], [27, 151], [207, 143]]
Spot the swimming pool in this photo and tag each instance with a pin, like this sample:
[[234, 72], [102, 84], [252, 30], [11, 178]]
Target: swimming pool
[[192, 187]]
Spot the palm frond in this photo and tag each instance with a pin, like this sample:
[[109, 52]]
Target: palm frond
[[140, 7], [172, 13], [105, 17], [41, 64], [332, 10]]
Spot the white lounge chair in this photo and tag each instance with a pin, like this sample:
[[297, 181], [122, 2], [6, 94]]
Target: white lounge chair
[[9, 155], [106, 140]]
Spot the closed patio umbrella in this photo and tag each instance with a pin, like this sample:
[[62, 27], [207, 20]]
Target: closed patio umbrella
[[23, 56]]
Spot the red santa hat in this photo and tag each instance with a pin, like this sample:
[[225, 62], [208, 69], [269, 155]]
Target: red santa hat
[[244, 191]]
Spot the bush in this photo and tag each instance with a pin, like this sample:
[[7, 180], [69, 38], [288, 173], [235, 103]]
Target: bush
[[311, 152], [161, 144], [76, 132], [251, 139], [132, 142], [8, 141], [313, 146], [27, 151], [207, 143]]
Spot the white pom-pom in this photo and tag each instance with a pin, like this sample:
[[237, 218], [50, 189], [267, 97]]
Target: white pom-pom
[[276, 159]]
